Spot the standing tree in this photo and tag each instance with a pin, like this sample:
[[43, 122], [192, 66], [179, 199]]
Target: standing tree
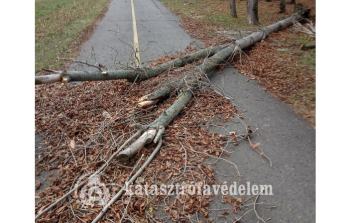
[[233, 9], [282, 6], [252, 10]]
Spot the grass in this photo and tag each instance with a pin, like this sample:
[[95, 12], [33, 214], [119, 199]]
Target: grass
[[61, 26], [217, 13]]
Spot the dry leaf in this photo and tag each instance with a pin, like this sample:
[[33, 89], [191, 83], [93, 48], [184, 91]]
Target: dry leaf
[[234, 207], [72, 144]]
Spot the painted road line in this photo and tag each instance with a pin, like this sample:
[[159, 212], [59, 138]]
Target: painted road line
[[136, 39]]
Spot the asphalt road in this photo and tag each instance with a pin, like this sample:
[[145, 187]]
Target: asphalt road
[[112, 43], [284, 136]]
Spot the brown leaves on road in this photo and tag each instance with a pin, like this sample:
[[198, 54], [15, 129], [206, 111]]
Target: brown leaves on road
[[83, 120]]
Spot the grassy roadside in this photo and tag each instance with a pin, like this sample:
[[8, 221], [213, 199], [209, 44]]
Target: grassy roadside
[[278, 64], [61, 26]]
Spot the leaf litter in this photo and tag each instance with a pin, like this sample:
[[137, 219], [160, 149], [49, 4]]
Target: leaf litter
[[83, 125]]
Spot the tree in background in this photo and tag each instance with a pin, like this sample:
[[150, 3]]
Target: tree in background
[[252, 11], [233, 9], [282, 6]]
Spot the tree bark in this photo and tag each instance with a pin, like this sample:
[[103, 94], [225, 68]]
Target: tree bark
[[146, 138], [252, 11], [131, 75], [282, 6], [233, 9], [47, 79]]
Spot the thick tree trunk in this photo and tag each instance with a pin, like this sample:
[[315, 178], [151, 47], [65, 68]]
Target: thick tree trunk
[[252, 11], [233, 9], [131, 75]]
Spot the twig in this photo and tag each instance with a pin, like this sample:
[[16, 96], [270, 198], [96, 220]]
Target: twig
[[137, 118], [73, 156], [228, 161], [96, 173], [238, 220], [75, 214], [259, 218], [52, 71], [125, 209], [184, 166], [59, 200], [118, 195], [81, 62]]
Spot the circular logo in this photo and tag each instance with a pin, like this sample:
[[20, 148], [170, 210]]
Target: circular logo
[[94, 193]]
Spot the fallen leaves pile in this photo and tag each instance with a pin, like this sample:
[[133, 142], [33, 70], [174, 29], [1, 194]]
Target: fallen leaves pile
[[83, 125], [283, 69]]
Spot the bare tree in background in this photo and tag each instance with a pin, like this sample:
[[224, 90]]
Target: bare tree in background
[[233, 9], [252, 11], [282, 6]]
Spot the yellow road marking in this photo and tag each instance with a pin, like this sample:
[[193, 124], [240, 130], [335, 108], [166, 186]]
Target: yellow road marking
[[136, 39]]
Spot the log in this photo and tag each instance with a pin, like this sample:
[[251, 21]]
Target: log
[[47, 79], [146, 138], [161, 122], [264, 32], [189, 82], [165, 91], [131, 75]]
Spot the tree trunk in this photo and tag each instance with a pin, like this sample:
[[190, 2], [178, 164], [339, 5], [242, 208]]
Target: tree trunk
[[308, 46], [189, 82], [233, 9], [131, 75], [282, 6], [165, 91], [252, 11], [191, 79]]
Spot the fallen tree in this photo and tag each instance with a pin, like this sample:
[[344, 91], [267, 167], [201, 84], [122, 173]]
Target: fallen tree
[[186, 86], [165, 91], [132, 75]]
